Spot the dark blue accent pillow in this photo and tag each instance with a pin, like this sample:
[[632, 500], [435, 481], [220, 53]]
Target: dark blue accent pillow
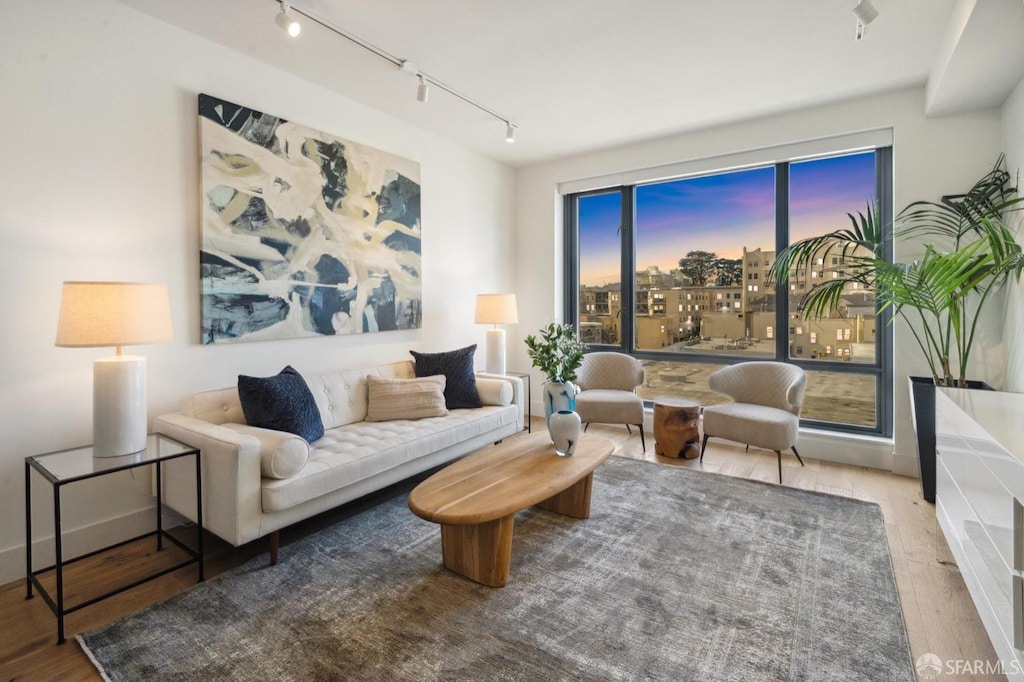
[[457, 368], [283, 403]]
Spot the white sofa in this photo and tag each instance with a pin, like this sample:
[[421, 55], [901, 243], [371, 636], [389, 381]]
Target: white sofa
[[354, 457]]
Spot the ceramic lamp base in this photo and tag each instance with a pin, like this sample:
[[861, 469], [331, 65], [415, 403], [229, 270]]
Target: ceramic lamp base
[[496, 351], [119, 405]]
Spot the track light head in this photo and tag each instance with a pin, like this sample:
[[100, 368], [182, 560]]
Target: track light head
[[865, 12], [286, 21], [423, 90], [510, 132]]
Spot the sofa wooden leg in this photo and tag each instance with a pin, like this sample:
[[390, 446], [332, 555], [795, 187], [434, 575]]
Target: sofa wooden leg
[[703, 444], [275, 545]]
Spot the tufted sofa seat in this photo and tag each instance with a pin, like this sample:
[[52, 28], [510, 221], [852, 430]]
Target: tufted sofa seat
[[241, 502]]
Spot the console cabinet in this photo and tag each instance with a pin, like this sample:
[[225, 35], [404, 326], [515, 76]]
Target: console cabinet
[[979, 488]]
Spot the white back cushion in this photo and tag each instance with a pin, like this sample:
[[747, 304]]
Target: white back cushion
[[342, 396]]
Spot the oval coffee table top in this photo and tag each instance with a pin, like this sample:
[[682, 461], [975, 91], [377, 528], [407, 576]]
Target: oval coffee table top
[[501, 480]]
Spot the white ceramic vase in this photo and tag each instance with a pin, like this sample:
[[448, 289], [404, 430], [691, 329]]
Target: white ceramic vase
[[559, 396], [564, 427]]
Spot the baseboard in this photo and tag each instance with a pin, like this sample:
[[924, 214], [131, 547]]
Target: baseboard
[[841, 448], [906, 466], [76, 542]]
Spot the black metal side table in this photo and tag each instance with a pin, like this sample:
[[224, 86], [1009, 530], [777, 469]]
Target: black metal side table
[[529, 409], [79, 464]]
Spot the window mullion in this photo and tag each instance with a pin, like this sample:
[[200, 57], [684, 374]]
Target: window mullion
[[781, 241], [571, 261], [628, 272]]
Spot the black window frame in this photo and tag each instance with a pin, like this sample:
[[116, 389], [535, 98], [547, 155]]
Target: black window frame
[[881, 370]]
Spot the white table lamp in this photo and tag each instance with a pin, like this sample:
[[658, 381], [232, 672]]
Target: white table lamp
[[116, 314], [496, 309]]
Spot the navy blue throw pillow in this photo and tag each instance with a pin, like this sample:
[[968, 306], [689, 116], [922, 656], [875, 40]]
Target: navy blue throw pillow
[[457, 368], [282, 402]]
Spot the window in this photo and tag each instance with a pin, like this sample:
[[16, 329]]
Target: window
[[598, 219], [705, 240]]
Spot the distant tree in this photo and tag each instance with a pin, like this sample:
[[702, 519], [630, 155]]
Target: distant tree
[[698, 266], [728, 272]]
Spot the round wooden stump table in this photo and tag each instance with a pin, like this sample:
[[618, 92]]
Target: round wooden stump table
[[675, 427]]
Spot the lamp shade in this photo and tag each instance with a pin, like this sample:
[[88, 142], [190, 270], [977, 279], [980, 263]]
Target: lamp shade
[[113, 314], [496, 309]]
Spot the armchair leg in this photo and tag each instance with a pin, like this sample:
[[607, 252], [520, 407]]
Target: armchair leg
[[703, 444], [778, 453], [629, 429], [643, 444], [793, 448], [275, 545], [586, 426]]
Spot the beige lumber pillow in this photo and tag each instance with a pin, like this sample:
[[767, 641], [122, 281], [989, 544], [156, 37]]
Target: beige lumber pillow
[[389, 399]]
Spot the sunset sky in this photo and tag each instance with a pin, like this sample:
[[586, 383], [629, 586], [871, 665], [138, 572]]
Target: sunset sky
[[722, 213]]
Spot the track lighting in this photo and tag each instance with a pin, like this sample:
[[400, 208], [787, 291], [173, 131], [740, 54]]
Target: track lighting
[[286, 21], [865, 13]]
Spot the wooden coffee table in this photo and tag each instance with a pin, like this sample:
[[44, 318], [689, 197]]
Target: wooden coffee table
[[476, 498]]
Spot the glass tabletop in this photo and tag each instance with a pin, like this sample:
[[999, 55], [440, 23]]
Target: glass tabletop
[[78, 463]]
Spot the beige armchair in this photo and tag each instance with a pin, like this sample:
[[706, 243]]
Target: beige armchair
[[607, 383], [765, 411]]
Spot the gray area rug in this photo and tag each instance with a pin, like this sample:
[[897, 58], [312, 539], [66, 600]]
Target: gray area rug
[[677, 575]]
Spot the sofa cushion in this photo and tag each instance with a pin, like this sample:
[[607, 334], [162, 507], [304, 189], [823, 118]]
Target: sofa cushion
[[757, 425], [391, 399], [358, 451], [282, 402], [457, 368], [282, 454]]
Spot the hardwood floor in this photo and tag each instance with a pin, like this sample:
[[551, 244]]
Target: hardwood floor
[[938, 611]]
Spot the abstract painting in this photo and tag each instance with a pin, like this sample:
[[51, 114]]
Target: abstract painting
[[303, 233]]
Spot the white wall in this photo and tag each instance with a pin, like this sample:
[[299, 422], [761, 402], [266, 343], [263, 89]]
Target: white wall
[[99, 180], [931, 157], [1013, 144]]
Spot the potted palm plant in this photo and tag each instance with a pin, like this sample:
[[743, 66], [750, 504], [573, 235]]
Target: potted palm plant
[[970, 252]]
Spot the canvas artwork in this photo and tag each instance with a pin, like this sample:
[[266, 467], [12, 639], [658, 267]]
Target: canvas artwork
[[303, 233]]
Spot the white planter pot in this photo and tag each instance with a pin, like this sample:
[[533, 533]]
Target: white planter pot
[[559, 396]]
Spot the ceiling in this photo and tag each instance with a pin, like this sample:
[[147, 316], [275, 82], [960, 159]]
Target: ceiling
[[580, 75]]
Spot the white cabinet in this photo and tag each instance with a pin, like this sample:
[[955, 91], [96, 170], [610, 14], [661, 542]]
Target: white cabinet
[[979, 476]]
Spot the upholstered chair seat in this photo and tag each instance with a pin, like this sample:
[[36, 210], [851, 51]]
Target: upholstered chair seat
[[765, 411], [607, 383]]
